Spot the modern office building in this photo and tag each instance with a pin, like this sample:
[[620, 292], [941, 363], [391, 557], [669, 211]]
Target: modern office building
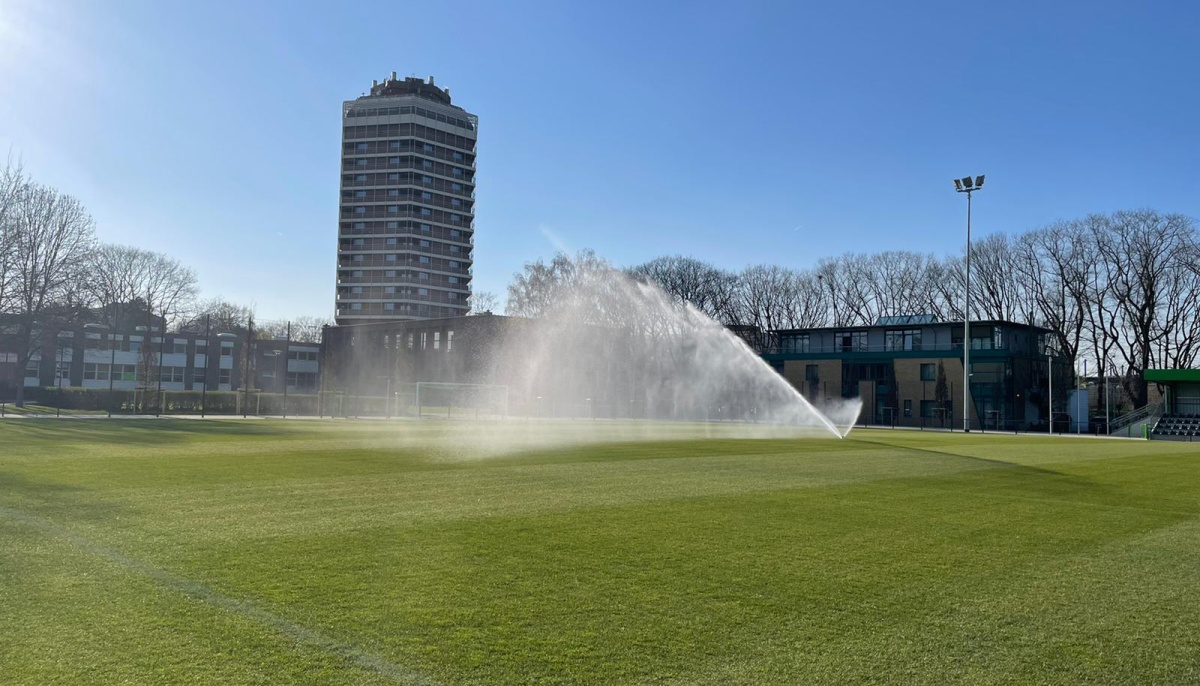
[[908, 370], [89, 356], [406, 216]]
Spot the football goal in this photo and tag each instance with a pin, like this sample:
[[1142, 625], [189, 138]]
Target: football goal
[[451, 400]]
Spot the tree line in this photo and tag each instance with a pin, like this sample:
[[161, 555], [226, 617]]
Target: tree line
[[1120, 290], [55, 273]]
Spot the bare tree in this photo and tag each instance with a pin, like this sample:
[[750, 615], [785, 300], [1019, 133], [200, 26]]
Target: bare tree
[[536, 290], [1141, 254], [996, 291], [762, 296], [12, 184], [484, 302], [222, 316], [306, 329], [709, 289], [123, 276], [48, 237], [804, 304], [1052, 260]]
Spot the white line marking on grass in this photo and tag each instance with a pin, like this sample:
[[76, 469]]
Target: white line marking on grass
[[297, 632]]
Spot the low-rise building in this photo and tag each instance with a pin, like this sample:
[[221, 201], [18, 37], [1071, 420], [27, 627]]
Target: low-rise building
[[908, 371]]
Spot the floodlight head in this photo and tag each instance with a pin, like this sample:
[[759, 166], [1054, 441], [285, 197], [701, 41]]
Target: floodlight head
[[958, 184], [979, 181], [967, 182]]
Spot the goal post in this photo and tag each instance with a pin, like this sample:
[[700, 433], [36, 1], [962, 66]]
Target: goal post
[[451, 400]]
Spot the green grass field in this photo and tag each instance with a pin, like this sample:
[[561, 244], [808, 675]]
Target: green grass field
[[307, 552]]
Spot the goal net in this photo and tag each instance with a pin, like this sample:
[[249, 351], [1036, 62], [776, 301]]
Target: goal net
[[451, 400]]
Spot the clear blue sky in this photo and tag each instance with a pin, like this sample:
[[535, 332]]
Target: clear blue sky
[[778, 132]]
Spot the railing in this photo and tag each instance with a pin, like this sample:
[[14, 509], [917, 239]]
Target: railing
[[1148, 414], [862, 348]]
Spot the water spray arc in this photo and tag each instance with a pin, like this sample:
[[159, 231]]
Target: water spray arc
[[634, 352]]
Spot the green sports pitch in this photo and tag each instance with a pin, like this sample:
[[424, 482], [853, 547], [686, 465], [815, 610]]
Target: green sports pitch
[[372, 552]]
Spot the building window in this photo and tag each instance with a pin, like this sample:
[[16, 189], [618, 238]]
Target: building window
[[422, 291], [356, 258], [453, 295], [355, 290], [356, 274], [424, 243], [907, 408], [410, 341], [423, 338], [456, 186], [224, 376], [426, 212], [389, 306], [424, 276], [449, 340], [458, 172], [389, 289], [902, 339], [356, 242], [424, 259], [929, 409], [226, 350], [437, 340], [453, 279], [455, 248], [199, 375], [360, 194], [178, 347], [426, 195], [425, 228], [391, 241], [95, 372], [391, 273], [929, 372], [794, 343], [811, 372], [427, 164], [355, 306], [851, 341], [390, 258]]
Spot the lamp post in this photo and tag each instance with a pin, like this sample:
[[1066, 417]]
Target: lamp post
[[1050, 390], [966, 185], [1107, 396], [58, 374], [112, 358], [277, 355]]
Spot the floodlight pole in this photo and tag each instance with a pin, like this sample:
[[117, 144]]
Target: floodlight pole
[[1107, 397], [966, 185], [967, 328], [1050, 390]]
